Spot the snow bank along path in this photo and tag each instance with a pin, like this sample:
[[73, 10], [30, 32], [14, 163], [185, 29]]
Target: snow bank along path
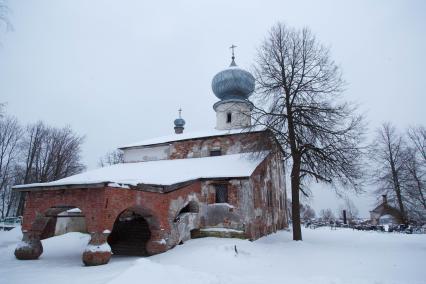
[[338, 256]]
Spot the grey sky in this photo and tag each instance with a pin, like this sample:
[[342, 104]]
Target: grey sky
[[117, 71]]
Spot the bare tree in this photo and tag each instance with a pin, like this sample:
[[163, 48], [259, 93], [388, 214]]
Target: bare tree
[[387, 154], [414, 175], [111, 158], [414, 184], [2, 105], [417, 138], [307, 212], [4, 12], [49, 154], [10, 133], [327, 215], [299, 89]]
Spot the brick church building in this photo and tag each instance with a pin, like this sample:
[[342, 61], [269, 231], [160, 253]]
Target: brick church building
[[226, 182]]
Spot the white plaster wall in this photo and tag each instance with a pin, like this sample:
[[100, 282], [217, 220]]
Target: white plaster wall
[[240, 115], [146, 154]]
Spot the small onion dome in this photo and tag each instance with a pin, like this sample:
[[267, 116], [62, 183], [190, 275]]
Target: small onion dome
[[233, 83], [179, 122]]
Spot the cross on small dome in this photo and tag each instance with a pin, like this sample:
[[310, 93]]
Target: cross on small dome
[[179, 122]]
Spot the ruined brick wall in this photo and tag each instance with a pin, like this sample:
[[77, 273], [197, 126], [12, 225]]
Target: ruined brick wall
[[102, 206], [235, 214], [269, 194], [194, 148], [230, 144]]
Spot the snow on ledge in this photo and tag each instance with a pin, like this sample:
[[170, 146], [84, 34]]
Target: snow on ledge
[[221, 230], [221, 205], [74, 210], [98, 248], [23, 244]]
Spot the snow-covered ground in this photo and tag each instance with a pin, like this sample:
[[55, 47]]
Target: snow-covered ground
[[325, 256]]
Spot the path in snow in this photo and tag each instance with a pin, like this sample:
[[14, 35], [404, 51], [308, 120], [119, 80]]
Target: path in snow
[[326, 256]]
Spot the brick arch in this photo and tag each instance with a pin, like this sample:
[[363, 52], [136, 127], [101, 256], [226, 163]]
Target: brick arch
[[189, 206], [38, 203], [130, 233], [156, 243], [148, 214], [44, 223], [385, 209]]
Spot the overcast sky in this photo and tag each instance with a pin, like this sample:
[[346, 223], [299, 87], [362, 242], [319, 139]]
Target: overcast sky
[[117, 71]]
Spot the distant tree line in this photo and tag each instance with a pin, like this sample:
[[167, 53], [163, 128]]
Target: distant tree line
[[308, 214], [111, 158], [34, 153]]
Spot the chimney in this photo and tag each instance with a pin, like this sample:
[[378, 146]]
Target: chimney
[[385, 199]]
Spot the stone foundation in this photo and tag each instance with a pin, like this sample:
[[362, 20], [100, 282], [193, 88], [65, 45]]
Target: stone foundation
[[29, 248], [97, 252]]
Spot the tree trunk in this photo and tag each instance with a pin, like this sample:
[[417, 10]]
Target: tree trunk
[[295, 202], [397, 186], [295, 175]]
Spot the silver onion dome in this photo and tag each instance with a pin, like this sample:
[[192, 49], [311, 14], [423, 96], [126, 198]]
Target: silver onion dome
[[179, 122], [233, 83]]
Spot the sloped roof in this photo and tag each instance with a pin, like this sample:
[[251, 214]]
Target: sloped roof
[[163, 172], [187, 136]]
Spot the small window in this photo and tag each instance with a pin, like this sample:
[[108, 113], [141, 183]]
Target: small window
[[215, 152], [221, 193], [228, 117], [191, 207], [269, 198]]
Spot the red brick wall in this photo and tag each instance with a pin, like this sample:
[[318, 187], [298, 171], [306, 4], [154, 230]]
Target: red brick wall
[[101, 206], [90, 201]]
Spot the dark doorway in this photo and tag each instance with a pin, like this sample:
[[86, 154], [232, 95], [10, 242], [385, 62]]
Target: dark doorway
[[129, 235]]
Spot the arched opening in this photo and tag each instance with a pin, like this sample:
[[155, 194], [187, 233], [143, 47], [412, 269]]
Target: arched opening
[[71, 220], [61, 219], [130, 234], [191, 207], [387, 219], [54, 221]]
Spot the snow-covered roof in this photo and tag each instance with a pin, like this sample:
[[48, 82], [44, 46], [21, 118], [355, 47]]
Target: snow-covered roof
[[187, 136], [163, 172]]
